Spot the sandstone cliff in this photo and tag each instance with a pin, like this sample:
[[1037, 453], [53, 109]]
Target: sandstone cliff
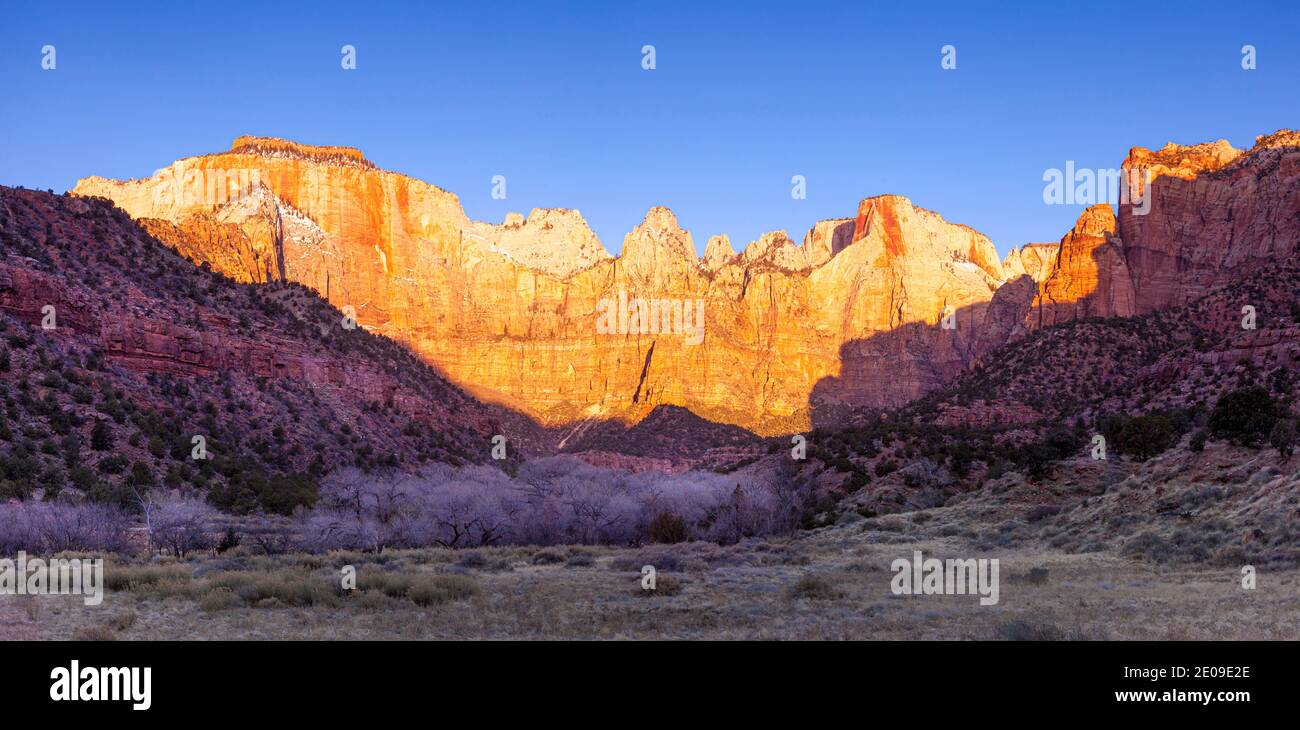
[[1215, 214], [1197, 218], [1090, 277], [870, 310], [1034, 260], [511, 312]]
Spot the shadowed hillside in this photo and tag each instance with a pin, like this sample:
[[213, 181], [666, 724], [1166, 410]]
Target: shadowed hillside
[[117, 353]]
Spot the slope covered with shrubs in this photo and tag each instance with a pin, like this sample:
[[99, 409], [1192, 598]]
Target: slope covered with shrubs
[[78, 424]]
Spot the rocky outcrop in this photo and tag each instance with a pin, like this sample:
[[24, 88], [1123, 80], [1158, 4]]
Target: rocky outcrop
[[1035, 260], [717, 253], [1089, 278], [775, 250], [216, 345], [1195, 218], [556, 241], [827, 238], [1214, 214], [38, 299]]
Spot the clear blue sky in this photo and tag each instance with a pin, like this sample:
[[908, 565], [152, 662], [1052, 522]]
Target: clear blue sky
[[552, 95]]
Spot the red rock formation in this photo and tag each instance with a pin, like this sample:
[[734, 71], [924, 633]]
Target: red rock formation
[[151, 345], [1215, 213], [255, 359], [1089, 278], [853, 316], [511, 312], [26, 293], [1196, 218]]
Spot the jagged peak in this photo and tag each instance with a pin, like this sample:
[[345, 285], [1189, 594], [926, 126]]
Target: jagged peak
[[1036, 248], [776, 248], [777, 237], [826, 223], [659, 229], [1034, 259], [721, 242], [1096, 220], [660, 218], [1218, 146], [551, 216], [893, 201], [767, 242], [1037, 245], [826, 239], [718, 252], [889, 217], [1208, 158], [556, 241]]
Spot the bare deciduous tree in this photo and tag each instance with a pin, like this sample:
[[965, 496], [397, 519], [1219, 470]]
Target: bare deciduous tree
[[179, 525], [551, 501]]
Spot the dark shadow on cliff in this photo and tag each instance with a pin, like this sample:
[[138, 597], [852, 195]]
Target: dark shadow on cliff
[[277, 370], [889, 369]]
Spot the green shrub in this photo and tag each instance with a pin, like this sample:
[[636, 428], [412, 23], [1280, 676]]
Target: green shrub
[[1283, 437], [1146, 436], [11, 489], [1244, 416], [114, 464], [249, 487], [101, 436], [668, 528]]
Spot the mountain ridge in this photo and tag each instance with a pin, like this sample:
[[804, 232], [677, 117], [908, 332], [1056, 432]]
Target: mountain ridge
[[509, 311]]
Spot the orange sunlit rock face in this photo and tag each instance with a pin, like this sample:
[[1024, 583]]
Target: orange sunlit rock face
[[1089, 277], [1034, 260], [511, 311], [871, 310]]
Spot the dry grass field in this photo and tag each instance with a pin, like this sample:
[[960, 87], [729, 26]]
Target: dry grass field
[[832, 583]]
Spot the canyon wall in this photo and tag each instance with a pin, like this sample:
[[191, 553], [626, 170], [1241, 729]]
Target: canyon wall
[[1195, 218], [870, 310], [1215, 214], [513, 312]]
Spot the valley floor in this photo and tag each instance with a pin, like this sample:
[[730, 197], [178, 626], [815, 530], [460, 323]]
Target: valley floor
[[832, 583]]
